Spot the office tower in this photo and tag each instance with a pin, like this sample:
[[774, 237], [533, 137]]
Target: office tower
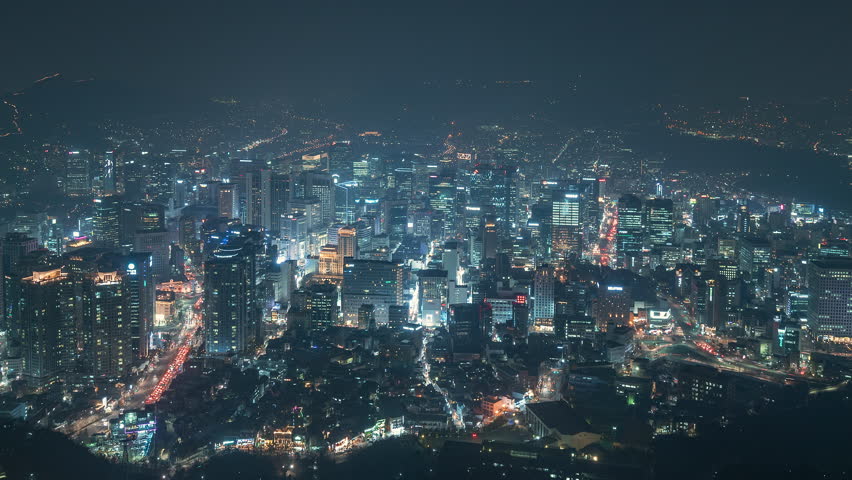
[[229, 200], [727, 247], [755, 254], [254, 185], [152, 217], [108, 174], [743, 219], [660, 221], [590, 193], [615, 302], [540, 225], [347, 242], [232, 322], [340, 160], [450, 260], [490, 237], [14, 247], [282, 195], [830, 297], [466, 329], [78, 175], [49, 330], [140, 298], [330, 262], [442, 195], [706, 208], [364, 235], [106, 224], [320, 186], [712, 289], [321, 305], [106, 330], [543, 299], [346, 194], [188, 238], [396, 219], [629, 233], [566, 228], [797, 306], [494, 187], [370, 282], [155, 242], [433, 297]]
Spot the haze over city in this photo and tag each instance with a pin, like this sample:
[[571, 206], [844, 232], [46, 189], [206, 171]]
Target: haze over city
[[425, 240]]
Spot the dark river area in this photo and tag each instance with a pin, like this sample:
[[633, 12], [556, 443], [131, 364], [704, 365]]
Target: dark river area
[[800, 175]]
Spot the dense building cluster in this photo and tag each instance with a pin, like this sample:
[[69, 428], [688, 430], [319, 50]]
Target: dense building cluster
[[513, 300]]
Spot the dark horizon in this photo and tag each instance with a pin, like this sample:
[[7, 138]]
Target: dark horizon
[[269, 48]]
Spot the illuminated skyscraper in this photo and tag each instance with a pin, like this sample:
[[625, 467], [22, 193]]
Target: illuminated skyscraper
[[232, 322], [106, 327], [433, 290], [78, 175], [660, 219], [106, 224], [830, 297], [49, 327], [543, 299], [566, 226], [370, 282], [630, 231], [321, 305], [743, 219], [347, 242], [229, 200]]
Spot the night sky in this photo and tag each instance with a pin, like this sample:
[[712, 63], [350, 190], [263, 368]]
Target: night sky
[[689, 47]]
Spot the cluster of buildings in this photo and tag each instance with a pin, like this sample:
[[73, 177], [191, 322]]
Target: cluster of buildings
[[569, 300]]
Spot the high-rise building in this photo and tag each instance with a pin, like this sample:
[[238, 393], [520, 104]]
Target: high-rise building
[[566, 226], [347, 242], [346, 194], [370, 282], [282, 195], [78, 175], [630, 231], [152, 217], [755, 253], [830, 297], [543, 299], [229, 200], [465, 327], [106, 328], [320, 186], [231, 321], [155, 242], [106, 224], [330, 262], [660, 220], [49, 328], [705, 209], [743, 219], [321, 305], [140, 299], [433, 290], [442, 197]]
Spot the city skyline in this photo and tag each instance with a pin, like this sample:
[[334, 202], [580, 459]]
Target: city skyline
[[425, 241]]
